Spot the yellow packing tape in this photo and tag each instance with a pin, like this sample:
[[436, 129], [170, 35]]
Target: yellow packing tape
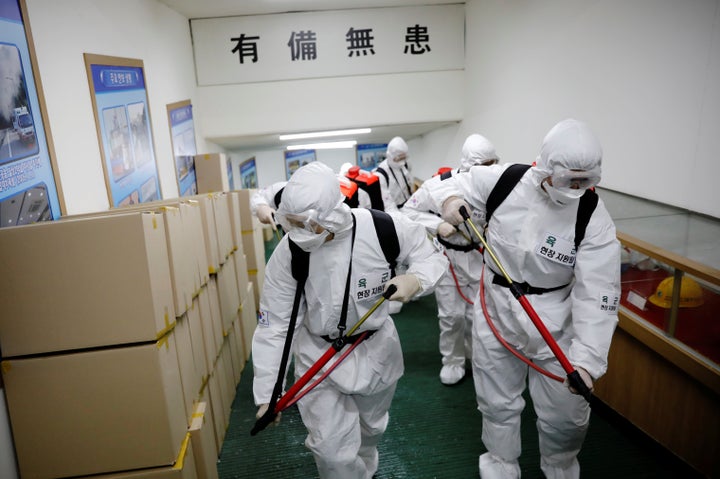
[[181, 456]]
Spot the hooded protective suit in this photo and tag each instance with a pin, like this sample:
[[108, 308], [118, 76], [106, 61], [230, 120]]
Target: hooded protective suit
[[396, 181], [455, 314], [532, 235], [347, 413]]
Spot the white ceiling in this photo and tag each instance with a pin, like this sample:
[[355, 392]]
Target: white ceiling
[[224, 8]]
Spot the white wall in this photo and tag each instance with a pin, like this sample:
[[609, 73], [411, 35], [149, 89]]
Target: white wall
[[644, 74], [140, 29]]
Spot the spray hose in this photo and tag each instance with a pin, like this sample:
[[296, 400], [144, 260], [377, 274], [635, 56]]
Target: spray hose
[[573, 376], [294, 394]]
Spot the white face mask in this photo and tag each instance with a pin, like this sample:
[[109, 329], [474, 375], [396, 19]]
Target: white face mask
[[306, 240], [562, 196]]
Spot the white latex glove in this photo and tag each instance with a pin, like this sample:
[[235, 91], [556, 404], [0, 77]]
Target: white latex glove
[[445, 229], [265, 214], [262, 409], [585, 376], [407, 285], [451, 210]]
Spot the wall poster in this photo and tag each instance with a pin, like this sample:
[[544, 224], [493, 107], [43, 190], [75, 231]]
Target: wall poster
[[369, 156], [28, 188], [182, 136], [294, 159], [122, 117], [248, 174]]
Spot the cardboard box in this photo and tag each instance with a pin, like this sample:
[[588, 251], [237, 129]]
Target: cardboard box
[[218, 409], [203, 443], [98, 411], [211, 171], [209, 230], [197, 340], [228, 296], [248, 221], [179, 252], [210, 333], [185, 467], [249, 320], [243, 355], [192, 221], [237, 358], [221, 209], [257, 279], [235, 223], [84, 283], [190, 377], [254, 248], [241, 273]]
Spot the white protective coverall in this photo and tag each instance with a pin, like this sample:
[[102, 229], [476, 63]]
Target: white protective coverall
[[397, 187], [455, 313], [581, 316], [347, 414]]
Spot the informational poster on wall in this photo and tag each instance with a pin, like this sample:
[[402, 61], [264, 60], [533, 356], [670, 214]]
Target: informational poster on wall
[[294, 159], [28, 191], [182, 134], [248, 174], [122, 117], [369, 156]]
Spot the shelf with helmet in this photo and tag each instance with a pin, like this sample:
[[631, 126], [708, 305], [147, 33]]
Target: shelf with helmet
[[664, 361]]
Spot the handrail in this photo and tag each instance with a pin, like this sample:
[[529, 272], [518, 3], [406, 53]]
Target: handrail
[[687, 265]]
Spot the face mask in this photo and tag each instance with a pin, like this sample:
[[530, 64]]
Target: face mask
[[562, 196], [306, 240]]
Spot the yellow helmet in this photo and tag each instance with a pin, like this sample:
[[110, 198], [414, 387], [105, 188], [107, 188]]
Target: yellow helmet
[[691, 294]]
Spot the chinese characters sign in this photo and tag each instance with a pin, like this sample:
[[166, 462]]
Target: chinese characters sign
[[328, 43]]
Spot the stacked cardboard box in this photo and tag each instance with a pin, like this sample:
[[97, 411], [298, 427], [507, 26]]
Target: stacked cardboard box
[[212, 172]]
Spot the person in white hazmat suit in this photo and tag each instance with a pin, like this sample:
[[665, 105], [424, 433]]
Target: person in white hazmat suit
[[347, 413], [575, 293], [396, 184], [263, 202], [459, 285]]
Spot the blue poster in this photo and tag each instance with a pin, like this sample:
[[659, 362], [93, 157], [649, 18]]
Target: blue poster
[[248, 173], [28, 192], [294, 159], [369, 156], [124, 124], [182, 130]]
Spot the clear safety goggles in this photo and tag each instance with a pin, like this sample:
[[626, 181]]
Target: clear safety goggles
[[307, 221], [575, 179], [485, 162]]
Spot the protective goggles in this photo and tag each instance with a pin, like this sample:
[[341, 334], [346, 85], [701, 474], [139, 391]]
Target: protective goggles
[[575, 179], [307, 221], [484, 162]]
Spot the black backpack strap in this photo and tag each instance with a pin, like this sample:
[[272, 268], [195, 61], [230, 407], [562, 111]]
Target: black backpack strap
[[446, 175], [354, 201], [278, 198], [299, 265], [387, 236], [384, 173], [588, 203], [505, 184]]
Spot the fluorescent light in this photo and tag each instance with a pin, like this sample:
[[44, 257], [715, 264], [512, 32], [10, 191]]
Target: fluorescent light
[[318, 134], [323, 146]]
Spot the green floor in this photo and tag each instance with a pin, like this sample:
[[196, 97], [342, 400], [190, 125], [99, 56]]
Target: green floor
[[434, 430]]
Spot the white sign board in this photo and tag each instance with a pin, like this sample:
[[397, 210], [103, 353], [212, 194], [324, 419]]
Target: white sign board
[[289, 46]]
